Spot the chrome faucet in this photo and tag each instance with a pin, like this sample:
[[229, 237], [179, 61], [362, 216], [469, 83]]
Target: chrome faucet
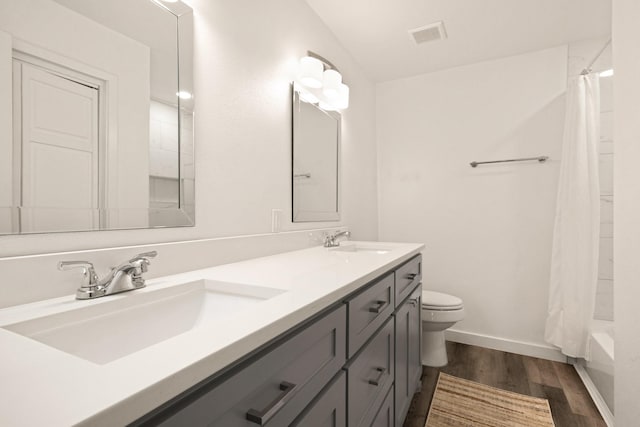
[[330, 240], [125, 277]]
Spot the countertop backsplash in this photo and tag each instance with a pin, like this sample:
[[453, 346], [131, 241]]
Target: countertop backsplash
[[33, 278]]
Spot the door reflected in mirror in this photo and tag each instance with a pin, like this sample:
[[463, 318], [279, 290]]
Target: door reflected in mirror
[[316, 153], [96, 108]]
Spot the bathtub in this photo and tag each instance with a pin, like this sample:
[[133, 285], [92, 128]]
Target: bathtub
[[597, 372]]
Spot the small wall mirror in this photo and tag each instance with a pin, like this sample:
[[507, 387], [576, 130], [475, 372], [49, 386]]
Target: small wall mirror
[[315, 152], [96, 115]]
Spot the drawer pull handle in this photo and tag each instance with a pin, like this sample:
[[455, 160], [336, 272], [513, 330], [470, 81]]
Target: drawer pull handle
[[412, 276], [414, 301], [376, 381], [263, 417], [380, 305]]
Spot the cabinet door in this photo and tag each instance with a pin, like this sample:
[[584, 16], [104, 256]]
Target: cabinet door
[[330, 407], [408, 364], [415, 340]]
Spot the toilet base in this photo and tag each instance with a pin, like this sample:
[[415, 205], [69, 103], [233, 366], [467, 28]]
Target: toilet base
[[434, 349]]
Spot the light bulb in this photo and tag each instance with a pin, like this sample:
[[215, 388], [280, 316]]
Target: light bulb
[[342, 101], [331, 81], [311, 72]]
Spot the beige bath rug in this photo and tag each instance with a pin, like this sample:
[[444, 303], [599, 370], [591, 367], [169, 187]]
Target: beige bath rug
[[457, 402]]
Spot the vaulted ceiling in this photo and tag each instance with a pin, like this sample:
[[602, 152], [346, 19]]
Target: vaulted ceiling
[[376, 31]]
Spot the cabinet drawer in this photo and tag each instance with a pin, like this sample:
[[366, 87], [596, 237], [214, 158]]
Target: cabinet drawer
[[330, 407], [407, 276], [368, 311], [370, 374], [275, 388]]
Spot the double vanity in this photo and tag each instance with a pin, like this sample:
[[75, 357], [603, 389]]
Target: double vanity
[[320, 336]]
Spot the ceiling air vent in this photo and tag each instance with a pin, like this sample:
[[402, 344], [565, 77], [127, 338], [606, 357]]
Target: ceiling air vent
[[428, 33]]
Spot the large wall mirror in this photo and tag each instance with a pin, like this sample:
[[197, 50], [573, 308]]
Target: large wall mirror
[[96, 115], [316, 156]]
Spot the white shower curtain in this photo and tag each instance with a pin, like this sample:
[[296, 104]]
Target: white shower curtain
[[574, 258]]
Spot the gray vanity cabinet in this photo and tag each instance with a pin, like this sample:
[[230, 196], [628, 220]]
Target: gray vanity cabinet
[[356, 365], [408, 324]]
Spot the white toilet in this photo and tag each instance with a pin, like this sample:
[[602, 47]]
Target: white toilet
[[439, 312]]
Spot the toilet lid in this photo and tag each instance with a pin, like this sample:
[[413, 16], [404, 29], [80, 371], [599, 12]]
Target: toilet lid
[[440, 301]]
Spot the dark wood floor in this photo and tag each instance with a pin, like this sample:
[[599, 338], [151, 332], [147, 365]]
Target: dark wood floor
[[570, 402]]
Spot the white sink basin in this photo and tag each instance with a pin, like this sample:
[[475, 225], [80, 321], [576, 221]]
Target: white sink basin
[[361, 248], [105, 332]]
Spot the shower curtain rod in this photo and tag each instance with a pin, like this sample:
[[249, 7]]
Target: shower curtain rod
[[587, 69]]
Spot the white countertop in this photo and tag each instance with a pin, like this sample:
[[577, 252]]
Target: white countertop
[[41, 385]]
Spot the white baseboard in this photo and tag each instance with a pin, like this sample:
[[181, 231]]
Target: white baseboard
[[595, 394], [503, 344]]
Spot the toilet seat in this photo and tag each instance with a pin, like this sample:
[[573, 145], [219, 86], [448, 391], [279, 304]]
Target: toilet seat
[[439, 301]]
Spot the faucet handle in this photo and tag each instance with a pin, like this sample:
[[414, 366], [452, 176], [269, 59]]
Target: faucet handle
[[89, 276], [329, 240], [144, 256], [141, 261]]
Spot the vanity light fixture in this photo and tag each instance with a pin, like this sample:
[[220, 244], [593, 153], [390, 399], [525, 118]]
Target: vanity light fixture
[[320, 82]]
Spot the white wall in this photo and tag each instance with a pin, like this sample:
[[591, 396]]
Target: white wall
[[245, 53], [626, 62], [487, 230]]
